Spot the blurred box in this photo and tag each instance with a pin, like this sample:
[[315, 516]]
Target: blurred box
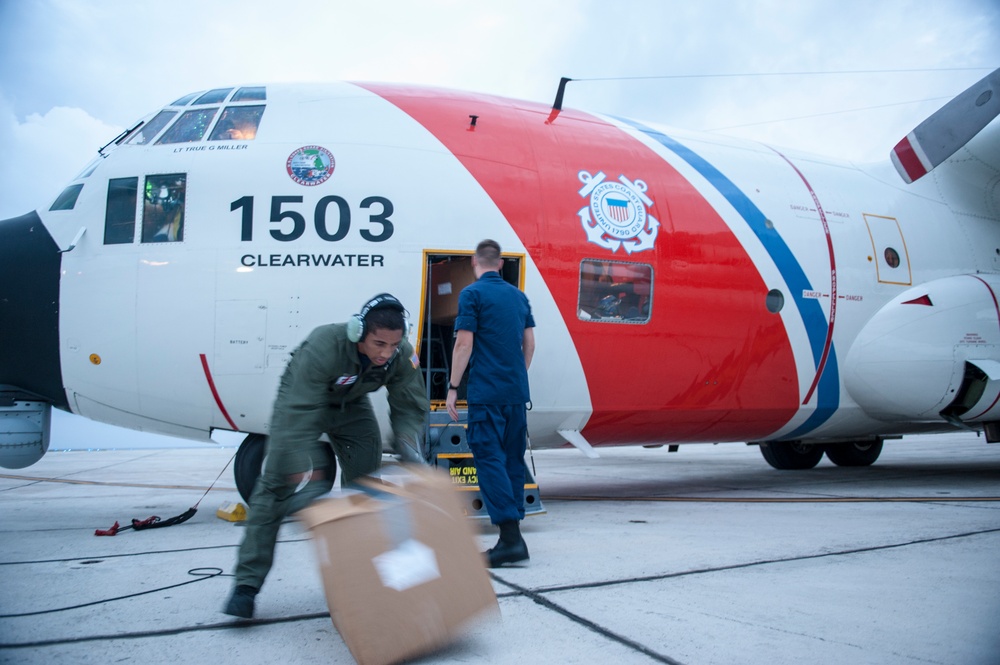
[[448, 278], [401, 567]]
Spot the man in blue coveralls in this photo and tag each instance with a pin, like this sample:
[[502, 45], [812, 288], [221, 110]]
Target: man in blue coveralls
[[495, 338]]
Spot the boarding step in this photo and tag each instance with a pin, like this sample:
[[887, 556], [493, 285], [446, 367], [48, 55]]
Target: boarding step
[[449, 450]]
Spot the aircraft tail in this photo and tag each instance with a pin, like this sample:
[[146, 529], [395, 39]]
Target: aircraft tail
[[946, 131]]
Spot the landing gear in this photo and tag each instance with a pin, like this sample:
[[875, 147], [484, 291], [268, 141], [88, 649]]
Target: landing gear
[[250, 459], [788, 455], [855, 453], [249, 462]]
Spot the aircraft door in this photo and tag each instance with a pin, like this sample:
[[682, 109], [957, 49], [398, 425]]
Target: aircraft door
[[445, 276], [892, 262]]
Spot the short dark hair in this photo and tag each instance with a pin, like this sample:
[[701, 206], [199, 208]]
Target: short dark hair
[[384, 318], [488, 253]]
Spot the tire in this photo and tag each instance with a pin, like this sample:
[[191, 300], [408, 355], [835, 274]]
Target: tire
[[791, 455], [250, 458], [856, 453], [249, 462]]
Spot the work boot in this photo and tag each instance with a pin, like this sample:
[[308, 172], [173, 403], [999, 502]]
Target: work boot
[[503, 553], [241, 602]]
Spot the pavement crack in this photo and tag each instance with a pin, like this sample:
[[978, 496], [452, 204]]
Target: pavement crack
[[540, 599]]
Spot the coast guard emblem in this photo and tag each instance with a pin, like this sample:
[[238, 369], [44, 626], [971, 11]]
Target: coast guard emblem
[[616, 215], [310, 165]]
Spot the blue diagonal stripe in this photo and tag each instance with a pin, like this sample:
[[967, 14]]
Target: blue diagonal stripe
[[816, 325]]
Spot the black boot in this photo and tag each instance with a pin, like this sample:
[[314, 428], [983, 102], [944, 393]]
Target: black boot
[[511, 547], [241, 602]]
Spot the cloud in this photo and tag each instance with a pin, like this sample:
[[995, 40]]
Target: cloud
[[43, 153]]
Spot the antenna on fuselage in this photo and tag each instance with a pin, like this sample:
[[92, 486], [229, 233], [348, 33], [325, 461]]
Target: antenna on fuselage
[[557, 105]]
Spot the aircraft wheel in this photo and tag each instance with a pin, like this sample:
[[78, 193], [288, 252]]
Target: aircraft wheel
[[249, 462], [250, 459], [857, 453], [788, 455]]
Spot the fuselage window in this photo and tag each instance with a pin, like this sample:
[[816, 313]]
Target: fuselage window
[[891, 257], [615, 291], [255, 94], [213, 96], [119, 217], [146, 133], [189, 127], [237, 123], [163, 208], [67, 200]]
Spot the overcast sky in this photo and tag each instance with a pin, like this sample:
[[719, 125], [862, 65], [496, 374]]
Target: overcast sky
[[74, 74]]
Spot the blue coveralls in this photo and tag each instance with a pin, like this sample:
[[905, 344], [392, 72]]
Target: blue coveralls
[[497, 313]]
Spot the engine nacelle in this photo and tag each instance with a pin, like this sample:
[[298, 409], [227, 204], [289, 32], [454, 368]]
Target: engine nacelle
[[24, 432], [931, 353]]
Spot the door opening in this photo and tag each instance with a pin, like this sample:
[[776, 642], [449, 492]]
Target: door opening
[[445, 275]]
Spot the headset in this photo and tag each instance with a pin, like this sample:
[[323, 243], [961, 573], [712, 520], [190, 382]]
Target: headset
[[356, 324]]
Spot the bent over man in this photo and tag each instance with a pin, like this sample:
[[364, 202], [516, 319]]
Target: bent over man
[[495, 338], [325, 390]]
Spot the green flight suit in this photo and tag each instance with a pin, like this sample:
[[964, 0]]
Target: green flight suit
[[325, 390]]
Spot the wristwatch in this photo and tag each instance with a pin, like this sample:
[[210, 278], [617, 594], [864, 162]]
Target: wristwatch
[[452, 387]]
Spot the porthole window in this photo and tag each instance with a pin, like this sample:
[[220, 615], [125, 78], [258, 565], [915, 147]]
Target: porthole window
[[775, 301], [891, 257]]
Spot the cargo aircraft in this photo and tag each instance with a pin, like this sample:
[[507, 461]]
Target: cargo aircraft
[[688, 288]]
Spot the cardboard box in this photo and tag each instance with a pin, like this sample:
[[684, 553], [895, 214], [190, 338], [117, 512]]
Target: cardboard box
[[401, 567], [448, 278]]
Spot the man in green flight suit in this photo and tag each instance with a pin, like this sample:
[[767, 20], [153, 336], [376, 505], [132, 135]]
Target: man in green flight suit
[[325, 390]]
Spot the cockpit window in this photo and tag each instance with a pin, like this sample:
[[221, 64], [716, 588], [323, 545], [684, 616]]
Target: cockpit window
[[237, 123], [146, 133], [163, 208], [67, 200], [189, 127], [185, 100], [255, 94], [214, 96], [119, 217], [89, 169], [615, 291]]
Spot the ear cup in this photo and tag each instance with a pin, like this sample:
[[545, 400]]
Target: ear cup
[[356, 324], [355, 328]]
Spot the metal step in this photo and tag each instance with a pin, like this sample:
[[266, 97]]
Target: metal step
[[448, 450]]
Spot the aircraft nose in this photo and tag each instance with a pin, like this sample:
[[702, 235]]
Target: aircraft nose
[[29, 310]]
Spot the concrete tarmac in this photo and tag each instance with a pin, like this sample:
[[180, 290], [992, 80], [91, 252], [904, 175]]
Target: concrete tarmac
[[704, 556]]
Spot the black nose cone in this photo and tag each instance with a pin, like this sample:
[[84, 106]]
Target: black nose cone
[[29, 310]]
